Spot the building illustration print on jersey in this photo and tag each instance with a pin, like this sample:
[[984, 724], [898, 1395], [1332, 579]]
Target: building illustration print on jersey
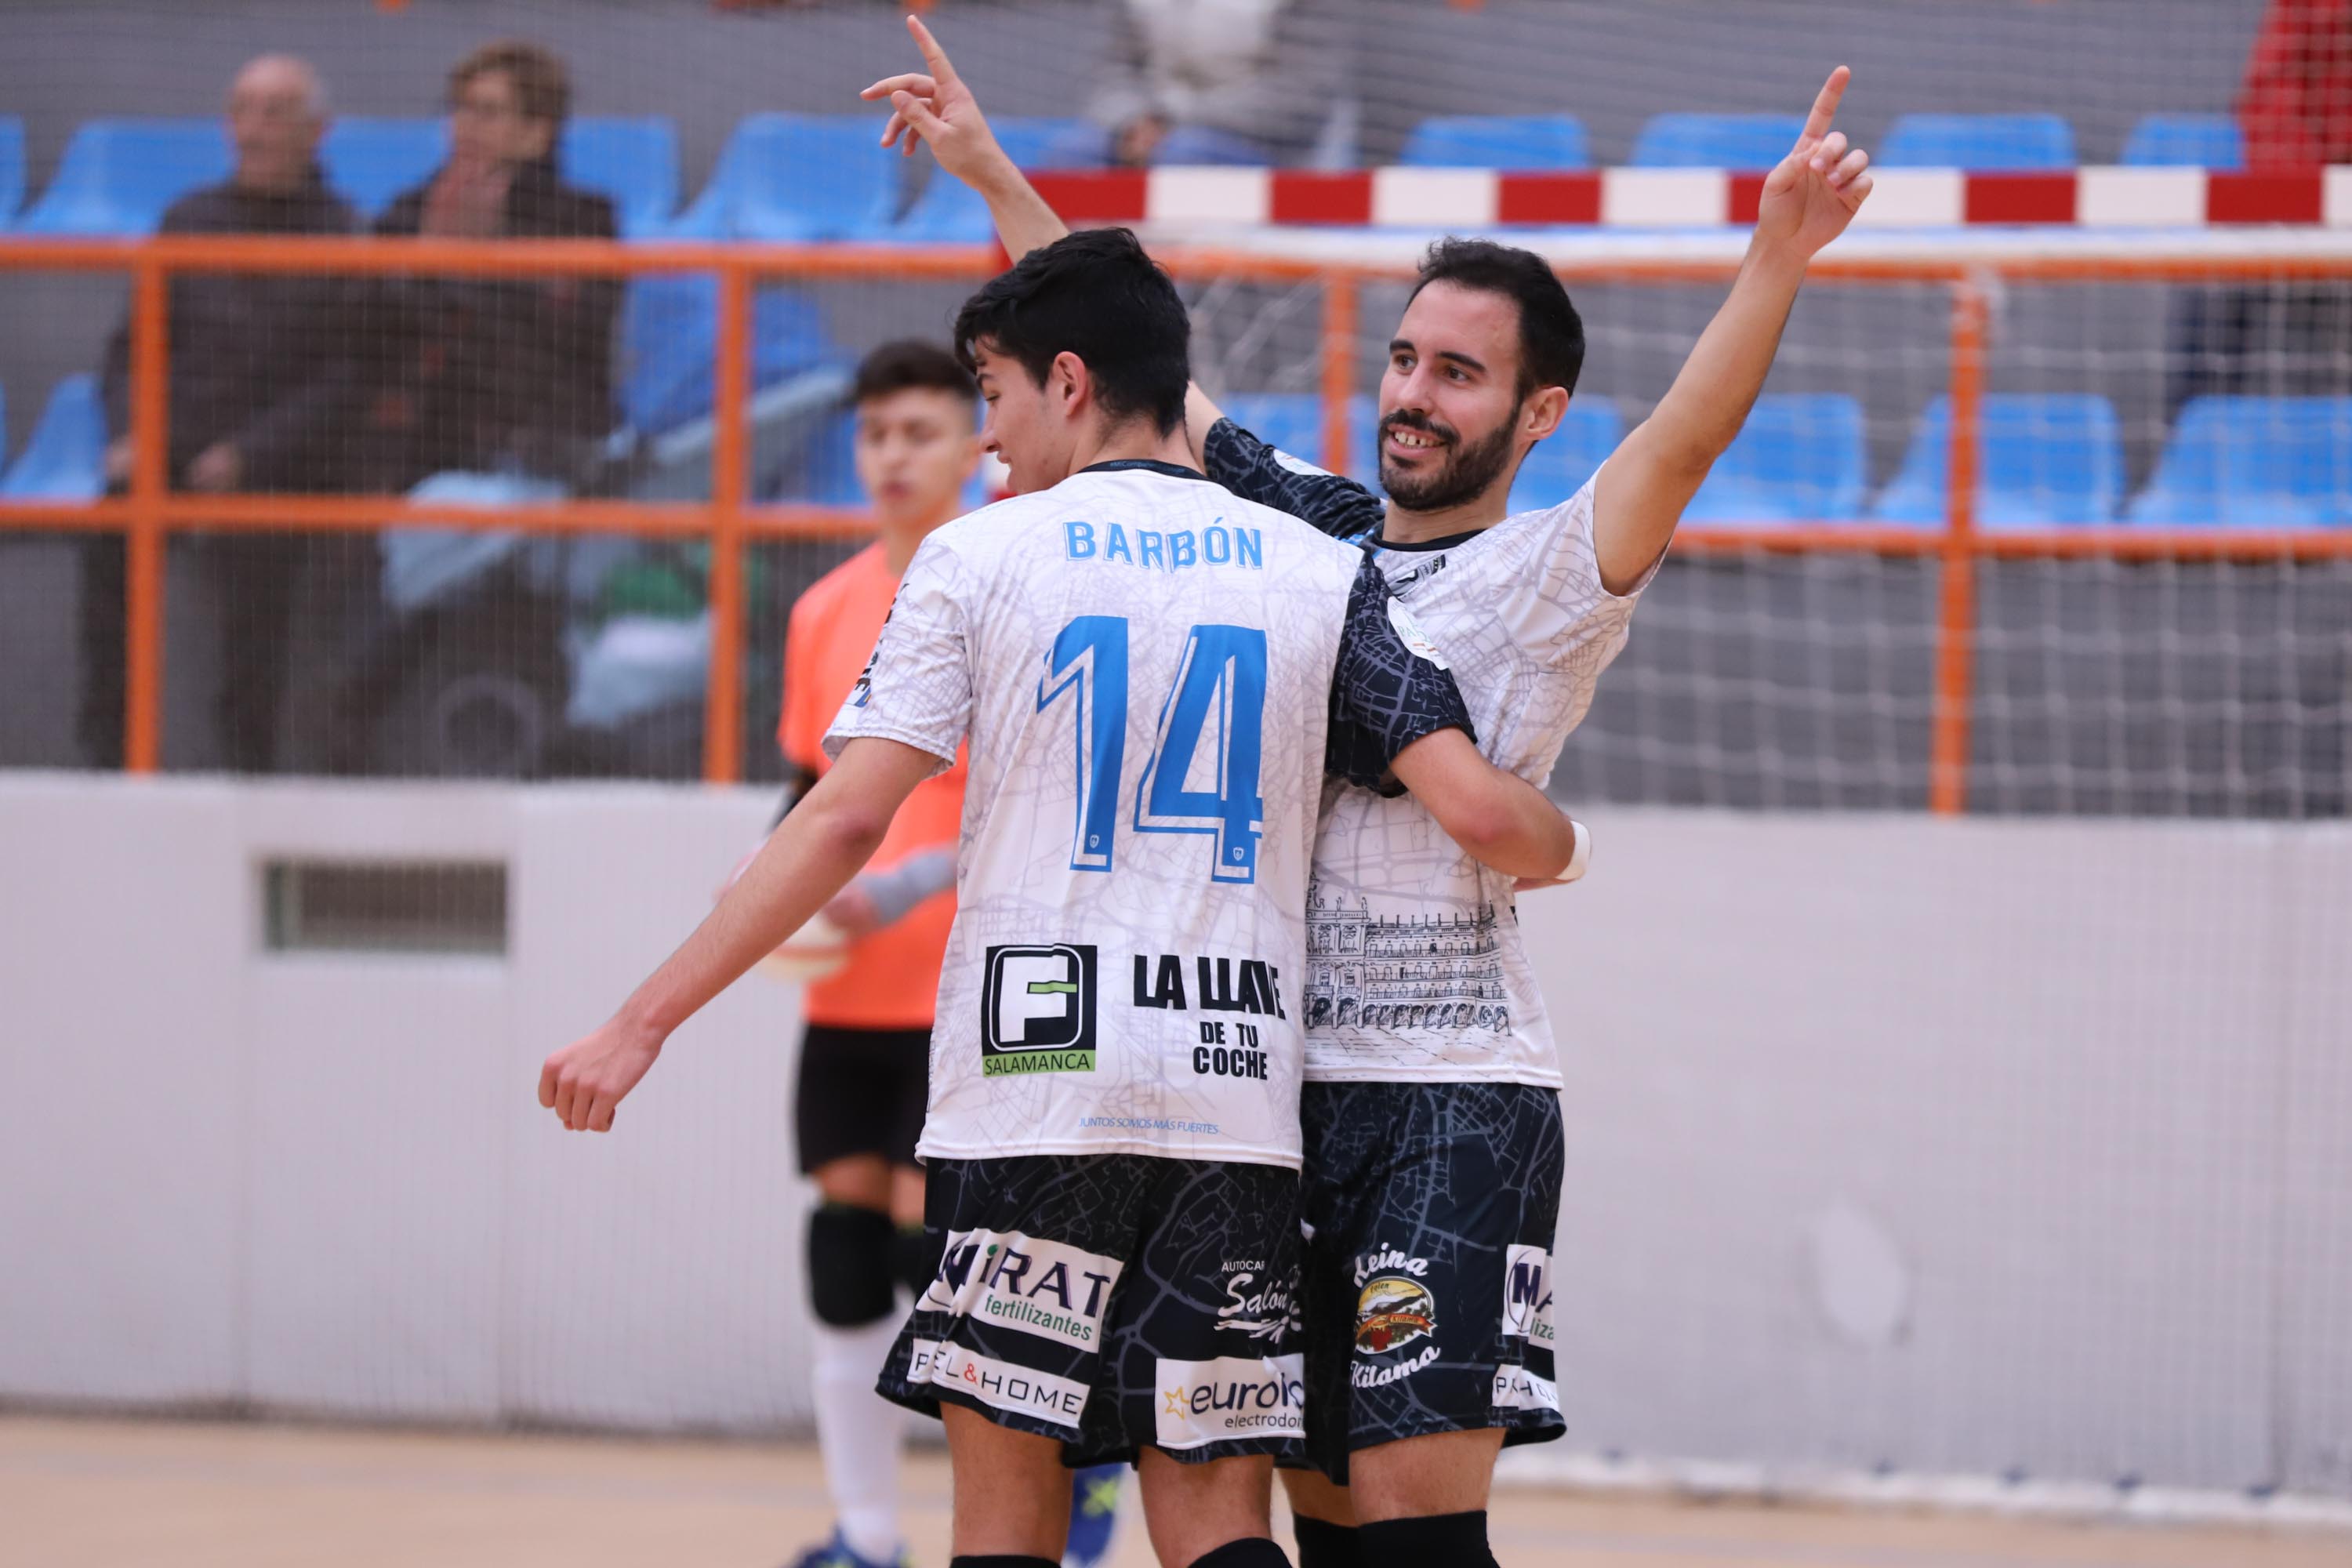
[[1436, 971], [1416, 968]]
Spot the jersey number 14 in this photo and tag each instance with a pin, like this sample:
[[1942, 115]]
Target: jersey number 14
[[1217, 704]]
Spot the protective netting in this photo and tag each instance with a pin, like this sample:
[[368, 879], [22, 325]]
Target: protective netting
[[2002, 1146]]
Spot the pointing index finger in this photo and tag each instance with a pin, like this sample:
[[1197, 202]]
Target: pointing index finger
[[933, 56], [1825, 107]]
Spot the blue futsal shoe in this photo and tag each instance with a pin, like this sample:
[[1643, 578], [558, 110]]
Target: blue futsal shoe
[[1094, 1509], [835, 1553]]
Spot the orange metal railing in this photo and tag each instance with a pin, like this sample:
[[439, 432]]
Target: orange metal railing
[[729, 520]]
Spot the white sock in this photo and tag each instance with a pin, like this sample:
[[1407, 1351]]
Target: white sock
[[858, 1432]]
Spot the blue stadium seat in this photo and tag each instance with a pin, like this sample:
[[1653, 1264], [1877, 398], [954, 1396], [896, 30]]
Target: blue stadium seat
[[12, 167], [2048, 461], [1716, 141], [1497, 141], [1560, 464], [669, 326], [2196, 141], [2253, 462], [948, 212], [1798, 458], [66, 459], [1290, 420], [632, 160], [1994, 142], [798, 177], [371, 160], [118, 176]]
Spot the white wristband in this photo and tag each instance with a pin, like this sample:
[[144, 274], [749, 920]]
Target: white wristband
[[1583, 855]]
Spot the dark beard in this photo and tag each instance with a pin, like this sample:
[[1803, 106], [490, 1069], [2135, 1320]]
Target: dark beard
[[1463, 479]]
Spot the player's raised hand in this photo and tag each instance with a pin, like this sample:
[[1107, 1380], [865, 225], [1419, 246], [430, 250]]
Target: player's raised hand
[[587, 1079], [935, 105], [1821, 184]]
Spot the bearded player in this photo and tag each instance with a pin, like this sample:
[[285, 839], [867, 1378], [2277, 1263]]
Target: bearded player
[[1433, 1146]]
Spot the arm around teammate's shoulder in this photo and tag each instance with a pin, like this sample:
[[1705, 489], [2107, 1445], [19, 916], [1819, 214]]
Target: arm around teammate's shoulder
[[1258, 472], [1498, 818]]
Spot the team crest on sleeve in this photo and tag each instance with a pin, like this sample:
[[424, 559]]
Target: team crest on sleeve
[[1408, 631]]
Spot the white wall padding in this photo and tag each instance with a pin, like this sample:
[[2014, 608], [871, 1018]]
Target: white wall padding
[[1982, 1146]]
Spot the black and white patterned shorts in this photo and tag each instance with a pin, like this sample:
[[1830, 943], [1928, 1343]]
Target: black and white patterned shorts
[[1430, 1210], [1113, 1301]]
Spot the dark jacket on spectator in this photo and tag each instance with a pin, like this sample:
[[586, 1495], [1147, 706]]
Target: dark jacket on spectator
[[257, 359], [488, 374]]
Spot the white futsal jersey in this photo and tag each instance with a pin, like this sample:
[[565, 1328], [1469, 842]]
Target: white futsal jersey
[[1416, 969], [1154, 674]]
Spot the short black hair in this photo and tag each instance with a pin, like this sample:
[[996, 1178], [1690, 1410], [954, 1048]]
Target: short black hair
[[1551, 334], [909, 364], [1098, 295]]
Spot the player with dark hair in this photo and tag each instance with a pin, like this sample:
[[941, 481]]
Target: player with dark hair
[[1433, 1146], [1111, 1140]]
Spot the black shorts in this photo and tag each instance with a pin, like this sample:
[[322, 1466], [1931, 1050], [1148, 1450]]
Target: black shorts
[[861, 1091], [1114, 1302], [1430, 1211]]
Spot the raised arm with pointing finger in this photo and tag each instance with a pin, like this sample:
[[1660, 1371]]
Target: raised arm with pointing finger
[[1807, 201]]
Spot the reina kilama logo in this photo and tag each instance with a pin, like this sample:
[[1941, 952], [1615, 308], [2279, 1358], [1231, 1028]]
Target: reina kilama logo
[[1037, 1010], [1392, 1311]]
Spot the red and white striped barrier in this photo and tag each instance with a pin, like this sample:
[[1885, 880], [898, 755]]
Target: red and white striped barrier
[[1684, 198]]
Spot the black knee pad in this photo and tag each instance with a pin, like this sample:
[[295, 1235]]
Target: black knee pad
[[1250, 1551], [1438, 1538], [1322, 1544], [849, 1265], [915, 1253]]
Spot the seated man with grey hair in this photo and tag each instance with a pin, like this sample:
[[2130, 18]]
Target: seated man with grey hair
[[260, 392]]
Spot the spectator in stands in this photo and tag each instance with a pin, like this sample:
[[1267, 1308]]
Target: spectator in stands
[[261, 393], [2295, 110], [1210, 81], [493, 374]]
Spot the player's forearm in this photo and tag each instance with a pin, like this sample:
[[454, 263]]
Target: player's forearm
[[1652, 476], [1498, 818], [1703, 411], [1520, 832], [811, 857], [1025, 221]]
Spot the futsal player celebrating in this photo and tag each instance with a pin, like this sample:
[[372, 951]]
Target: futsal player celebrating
[[1434, 1150], [1155, 675]]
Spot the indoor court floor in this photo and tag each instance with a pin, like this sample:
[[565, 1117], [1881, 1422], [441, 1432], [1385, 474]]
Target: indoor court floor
[[89, 1493]]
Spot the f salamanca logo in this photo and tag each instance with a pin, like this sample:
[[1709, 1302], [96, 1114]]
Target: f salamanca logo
[[1037, 1010]]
